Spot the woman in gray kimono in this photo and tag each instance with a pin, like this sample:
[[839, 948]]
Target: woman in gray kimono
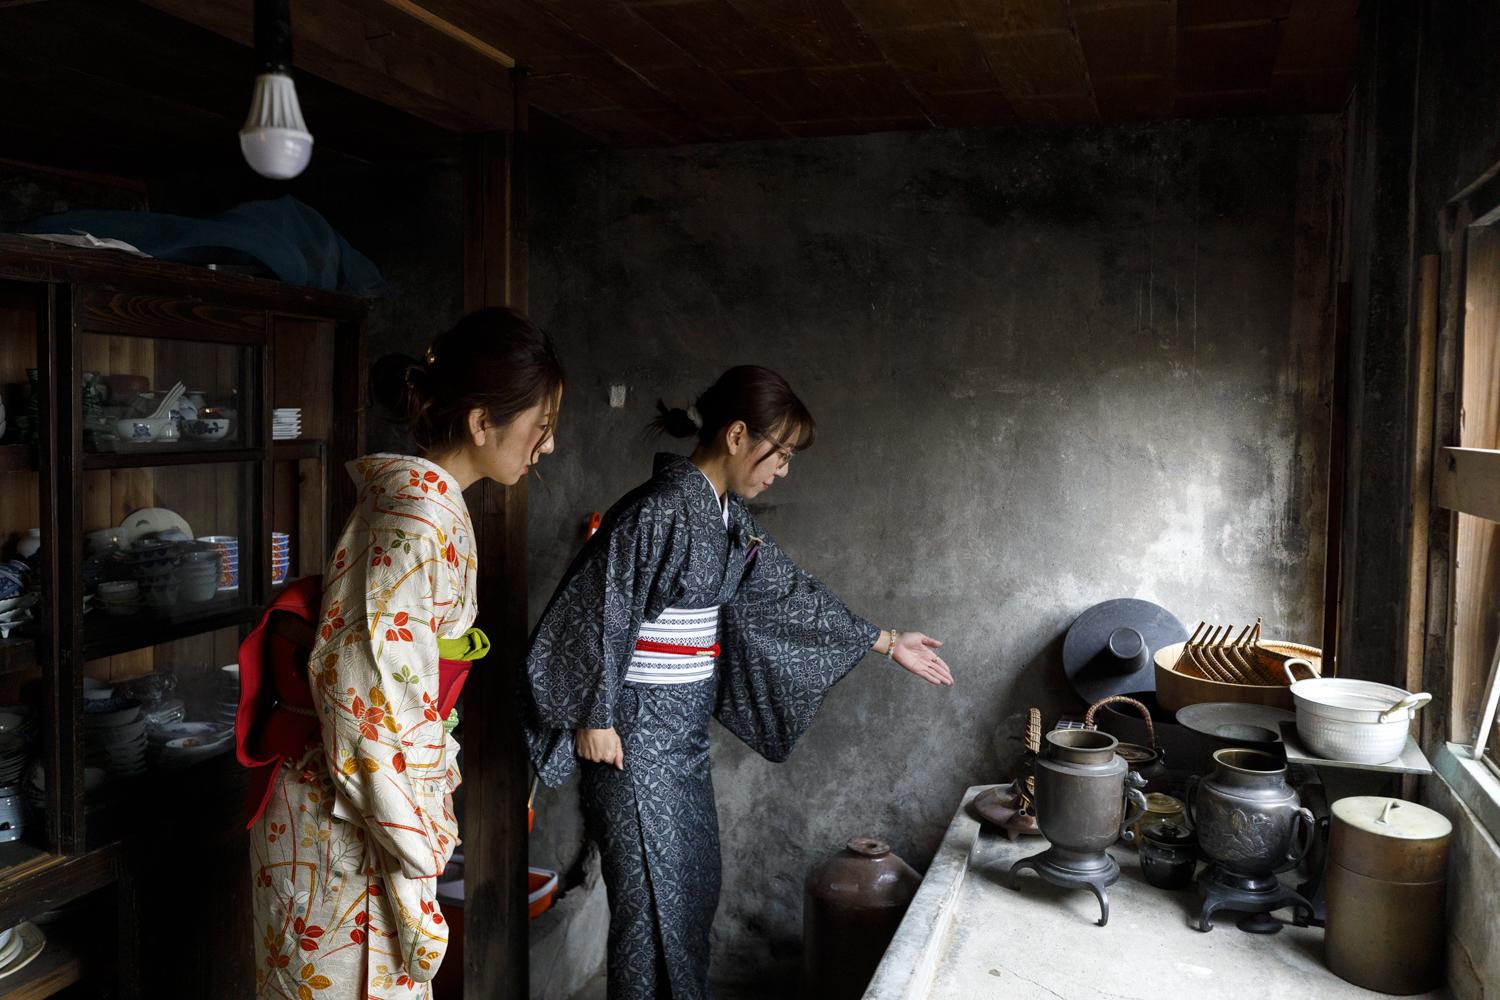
[[681, 607]]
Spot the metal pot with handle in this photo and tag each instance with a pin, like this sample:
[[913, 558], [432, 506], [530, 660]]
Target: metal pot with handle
[[1361, 722]]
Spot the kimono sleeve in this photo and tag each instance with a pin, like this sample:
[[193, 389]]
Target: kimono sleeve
[[582, 644], [375, 683], [786, 640]]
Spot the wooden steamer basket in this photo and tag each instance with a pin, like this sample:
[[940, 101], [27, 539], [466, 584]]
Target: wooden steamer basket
[[1177, 690]]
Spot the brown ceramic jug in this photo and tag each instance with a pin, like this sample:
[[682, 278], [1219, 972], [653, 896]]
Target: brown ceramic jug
[[853, 903]]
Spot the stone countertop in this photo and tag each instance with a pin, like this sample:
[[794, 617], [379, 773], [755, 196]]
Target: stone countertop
[[968, 935]]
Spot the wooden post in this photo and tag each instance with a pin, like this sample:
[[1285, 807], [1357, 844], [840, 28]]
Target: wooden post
[[494, 758]]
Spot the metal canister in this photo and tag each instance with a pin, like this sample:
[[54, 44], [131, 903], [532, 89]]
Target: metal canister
[[1387, 873]]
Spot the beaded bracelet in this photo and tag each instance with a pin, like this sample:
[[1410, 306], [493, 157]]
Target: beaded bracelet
[[890, 650]]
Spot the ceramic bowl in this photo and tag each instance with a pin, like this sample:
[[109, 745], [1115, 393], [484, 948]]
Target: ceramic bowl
[[102, 540], [111, 712], [143, 429], [207, 429]]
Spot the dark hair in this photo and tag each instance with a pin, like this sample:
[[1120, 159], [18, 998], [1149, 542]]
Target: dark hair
[[756, 395], [493, 359]]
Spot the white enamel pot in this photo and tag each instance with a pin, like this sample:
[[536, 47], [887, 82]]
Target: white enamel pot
[[1361, 722]]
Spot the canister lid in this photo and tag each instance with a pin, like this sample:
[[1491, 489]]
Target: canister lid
[[1389, 839], [1387, 817]]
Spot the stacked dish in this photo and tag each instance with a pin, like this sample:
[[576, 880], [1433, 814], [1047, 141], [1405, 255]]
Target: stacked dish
[[228, 548], [114, 735], [286, 424], [119, 597], [281, 557], [187, 743], [229, 694], [13, 756], [18, 946], [15, 612], [15, 578], [153, 563], [200, 572]]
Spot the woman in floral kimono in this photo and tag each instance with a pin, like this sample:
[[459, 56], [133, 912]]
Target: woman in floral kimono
[[681, 607], [359, 824]]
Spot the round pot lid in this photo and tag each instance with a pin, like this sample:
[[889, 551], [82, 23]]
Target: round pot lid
[[1109, 647]]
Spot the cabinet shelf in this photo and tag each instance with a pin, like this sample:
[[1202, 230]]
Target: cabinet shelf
[[54, 970], [187, 456], [302, 448], [112, 636], [45, 882]]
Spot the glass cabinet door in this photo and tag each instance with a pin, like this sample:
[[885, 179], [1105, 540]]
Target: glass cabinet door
[[163, 395]]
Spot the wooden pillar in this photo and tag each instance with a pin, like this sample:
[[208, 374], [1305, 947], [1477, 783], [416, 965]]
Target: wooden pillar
[[495, 765]]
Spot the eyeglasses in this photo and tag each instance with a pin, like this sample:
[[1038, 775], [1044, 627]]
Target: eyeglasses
[[784, 452]]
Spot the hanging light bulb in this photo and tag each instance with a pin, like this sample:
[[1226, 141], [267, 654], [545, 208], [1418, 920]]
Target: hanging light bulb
[[275, 139]]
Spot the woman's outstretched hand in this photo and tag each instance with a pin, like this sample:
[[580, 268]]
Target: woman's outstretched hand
[[602, 746], [918, 654]]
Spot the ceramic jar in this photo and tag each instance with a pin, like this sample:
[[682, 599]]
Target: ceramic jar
[[1247, 817], [853, 901]]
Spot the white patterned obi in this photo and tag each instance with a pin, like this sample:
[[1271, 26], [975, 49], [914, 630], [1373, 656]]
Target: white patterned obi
[[680, 647]]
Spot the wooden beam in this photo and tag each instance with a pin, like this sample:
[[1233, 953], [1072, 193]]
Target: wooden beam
[[1467, 481], [1422, 444], [453, 31], [495, 760], [379, 52]]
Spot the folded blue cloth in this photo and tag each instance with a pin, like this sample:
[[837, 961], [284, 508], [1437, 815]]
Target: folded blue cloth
[[290, 238]]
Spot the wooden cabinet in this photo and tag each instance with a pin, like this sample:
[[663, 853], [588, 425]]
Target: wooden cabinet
[[138, 855]]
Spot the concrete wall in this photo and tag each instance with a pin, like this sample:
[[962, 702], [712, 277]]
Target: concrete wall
[[1049, 368]]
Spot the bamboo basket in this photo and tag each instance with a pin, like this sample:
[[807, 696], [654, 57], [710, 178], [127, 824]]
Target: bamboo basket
[[1175, 690]]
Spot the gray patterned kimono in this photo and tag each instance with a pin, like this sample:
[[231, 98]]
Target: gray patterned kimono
[[785, 640]]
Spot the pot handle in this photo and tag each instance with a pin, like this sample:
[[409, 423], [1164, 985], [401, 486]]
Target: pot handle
[[1302, 840], [1120, 699], [1410, 703], [1190, 799], [1135, 797], [1298, 661]]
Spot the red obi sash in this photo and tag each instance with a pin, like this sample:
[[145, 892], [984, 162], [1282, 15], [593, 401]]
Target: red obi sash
[[276, 718]]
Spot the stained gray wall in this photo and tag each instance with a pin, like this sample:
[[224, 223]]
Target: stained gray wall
[[1049, 368]]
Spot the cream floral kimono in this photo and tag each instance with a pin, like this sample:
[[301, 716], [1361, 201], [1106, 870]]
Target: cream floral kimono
[[347, 854]]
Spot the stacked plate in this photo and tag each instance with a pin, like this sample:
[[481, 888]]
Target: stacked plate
[[114, 736], [229, 695], [187, 743], [286, 424], [19, 945], [228, 547], [281, 557], [13, 753], [15, 612]]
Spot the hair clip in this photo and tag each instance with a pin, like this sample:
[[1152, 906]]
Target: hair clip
[[429, 357], [695, 417]]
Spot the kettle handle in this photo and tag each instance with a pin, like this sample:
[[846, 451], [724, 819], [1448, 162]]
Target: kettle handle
[[1302, 840], [1190, 799]]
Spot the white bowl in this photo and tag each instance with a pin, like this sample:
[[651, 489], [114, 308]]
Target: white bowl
[[142, 429]]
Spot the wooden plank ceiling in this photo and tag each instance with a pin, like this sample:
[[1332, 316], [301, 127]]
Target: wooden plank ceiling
[[394, 78], [635, 72]]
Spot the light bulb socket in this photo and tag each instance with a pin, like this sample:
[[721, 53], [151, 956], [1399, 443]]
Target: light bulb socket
[[273, 36]]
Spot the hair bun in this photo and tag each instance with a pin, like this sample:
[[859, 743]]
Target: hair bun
[[401, 384], [674, 422]]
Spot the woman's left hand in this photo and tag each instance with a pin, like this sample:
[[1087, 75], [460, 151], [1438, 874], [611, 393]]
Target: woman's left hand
[[917, 653]]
